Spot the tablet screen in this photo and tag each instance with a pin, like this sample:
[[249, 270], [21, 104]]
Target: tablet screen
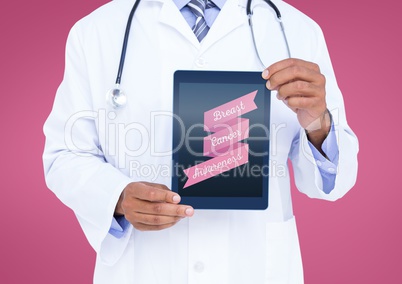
[[221, 139]]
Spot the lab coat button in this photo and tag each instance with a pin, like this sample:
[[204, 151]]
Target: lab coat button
[[199, 266], [200, 62]]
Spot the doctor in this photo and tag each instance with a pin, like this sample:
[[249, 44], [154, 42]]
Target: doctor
[[109, 166]]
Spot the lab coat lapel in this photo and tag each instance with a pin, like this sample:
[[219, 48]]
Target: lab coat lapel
[[171, 16], [229, 18]]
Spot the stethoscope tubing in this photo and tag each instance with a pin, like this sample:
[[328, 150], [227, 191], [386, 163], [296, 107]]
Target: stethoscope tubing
[[125, 42], [278, 17], [249, 12], [270, 3]]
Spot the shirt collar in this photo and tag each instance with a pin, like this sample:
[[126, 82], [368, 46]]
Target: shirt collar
[[181, 3]]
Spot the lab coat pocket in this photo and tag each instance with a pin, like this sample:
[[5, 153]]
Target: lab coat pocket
[[284, 264]]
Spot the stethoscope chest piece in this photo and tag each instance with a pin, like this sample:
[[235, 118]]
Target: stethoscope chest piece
[[116, 98]]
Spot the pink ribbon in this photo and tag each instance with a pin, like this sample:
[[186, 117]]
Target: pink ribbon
[[223, 145]]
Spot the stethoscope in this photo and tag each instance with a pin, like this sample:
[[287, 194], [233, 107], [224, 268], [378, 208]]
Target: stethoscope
[[118, 99]]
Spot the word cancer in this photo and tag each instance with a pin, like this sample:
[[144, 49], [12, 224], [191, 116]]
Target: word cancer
[[219, 140]]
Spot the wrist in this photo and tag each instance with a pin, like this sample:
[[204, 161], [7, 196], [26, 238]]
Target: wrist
[[320, 125], [118, 211], [319, 130]]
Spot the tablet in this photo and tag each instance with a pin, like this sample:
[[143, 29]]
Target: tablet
[[221, 131]]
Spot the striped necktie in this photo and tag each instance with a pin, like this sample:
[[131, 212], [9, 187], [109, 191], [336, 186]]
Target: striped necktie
[[200, 28]]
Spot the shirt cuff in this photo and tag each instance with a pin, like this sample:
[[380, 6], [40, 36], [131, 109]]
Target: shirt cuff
[[327, 167], [119, 226]]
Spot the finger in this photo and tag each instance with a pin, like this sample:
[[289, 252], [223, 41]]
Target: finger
[[286, 63], [294, 73], [159, 208], [157, 185], [152, 193], [299, 89], [296, 103], [144, 227], [154, 220]]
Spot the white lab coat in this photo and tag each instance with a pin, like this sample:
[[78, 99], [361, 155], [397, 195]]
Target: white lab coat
[[92, 152]]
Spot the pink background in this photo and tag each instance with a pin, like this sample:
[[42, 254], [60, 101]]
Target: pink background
[[357, 239]]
